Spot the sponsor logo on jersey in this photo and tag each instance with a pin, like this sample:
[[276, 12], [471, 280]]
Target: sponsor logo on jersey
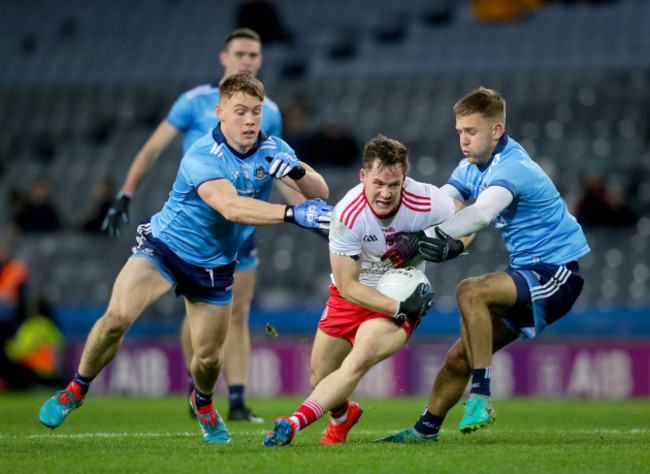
[[370, 238]]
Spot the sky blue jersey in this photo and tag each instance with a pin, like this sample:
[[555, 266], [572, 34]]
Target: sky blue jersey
[[194, 113], [536, 226], [196, 232]]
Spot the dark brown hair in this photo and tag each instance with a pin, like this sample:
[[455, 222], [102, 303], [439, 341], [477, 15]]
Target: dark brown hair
[[242, 33], [389, 152]]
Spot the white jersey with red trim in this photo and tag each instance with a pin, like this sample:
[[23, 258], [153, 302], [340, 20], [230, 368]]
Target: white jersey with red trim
[[356, 230]]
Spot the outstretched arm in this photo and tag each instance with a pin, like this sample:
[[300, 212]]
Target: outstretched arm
[[441, 242], [222, 196], [477, 216]]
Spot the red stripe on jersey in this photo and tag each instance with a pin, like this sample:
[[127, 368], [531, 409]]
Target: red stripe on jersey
[[416, 209], [415, 197], [415, 202], [354, 218], [350, 213]]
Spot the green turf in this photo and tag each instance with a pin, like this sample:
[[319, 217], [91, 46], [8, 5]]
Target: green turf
[[112, 434]]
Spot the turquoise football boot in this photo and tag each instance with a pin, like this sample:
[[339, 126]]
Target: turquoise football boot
[[56, 409], [406, 436], [213, 428], [478, 414]]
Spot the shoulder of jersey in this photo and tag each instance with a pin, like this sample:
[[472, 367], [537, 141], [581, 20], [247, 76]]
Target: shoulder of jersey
[[348, 209], [204, 89], [271, 145], [416, 196], [514, 150], [205, 146]]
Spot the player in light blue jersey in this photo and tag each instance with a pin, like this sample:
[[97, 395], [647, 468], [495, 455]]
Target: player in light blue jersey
[[193, 114], [220, 193], [539, 287]]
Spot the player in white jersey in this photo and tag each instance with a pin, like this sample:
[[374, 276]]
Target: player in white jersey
[[539, 287], [220, 193], [193, 115], [360, 326]]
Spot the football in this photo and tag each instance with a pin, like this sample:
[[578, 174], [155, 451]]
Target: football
[[400, 283]]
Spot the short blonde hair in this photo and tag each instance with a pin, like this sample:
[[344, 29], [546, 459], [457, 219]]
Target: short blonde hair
[[487, 102], [241, 82]]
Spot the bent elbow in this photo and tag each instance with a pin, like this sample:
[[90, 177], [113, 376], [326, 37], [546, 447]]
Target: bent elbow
[[232, 214], [322, 192], [344, 291], [483, 222], [325, 194]]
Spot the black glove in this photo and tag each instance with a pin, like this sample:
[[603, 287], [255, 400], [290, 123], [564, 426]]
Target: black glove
[[442, 248], [404, 248], [119, 211], [416, 306]]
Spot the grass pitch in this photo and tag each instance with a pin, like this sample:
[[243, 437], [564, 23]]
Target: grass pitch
[[113, 434]]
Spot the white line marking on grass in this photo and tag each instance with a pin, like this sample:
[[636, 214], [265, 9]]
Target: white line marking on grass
[[187, 434], [108, 435]]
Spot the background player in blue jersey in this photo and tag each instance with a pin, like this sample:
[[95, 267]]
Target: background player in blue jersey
[[542, 282], [220, 193], [193, 114]]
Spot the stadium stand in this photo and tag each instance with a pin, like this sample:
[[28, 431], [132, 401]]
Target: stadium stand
[[84, 89]]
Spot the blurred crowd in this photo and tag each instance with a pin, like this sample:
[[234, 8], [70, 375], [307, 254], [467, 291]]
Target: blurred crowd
[[33, 210], [31, 344]]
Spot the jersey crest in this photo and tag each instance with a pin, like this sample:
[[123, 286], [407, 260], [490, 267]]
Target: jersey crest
[[260, 173]]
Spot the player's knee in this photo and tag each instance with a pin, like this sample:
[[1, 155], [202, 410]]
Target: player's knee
[[467, 288], [468, 293], [314, 379], [209, 359], [357, 364]]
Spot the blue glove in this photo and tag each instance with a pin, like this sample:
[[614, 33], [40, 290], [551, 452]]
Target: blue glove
[[284, 164], [311, 214], [119, 211]]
